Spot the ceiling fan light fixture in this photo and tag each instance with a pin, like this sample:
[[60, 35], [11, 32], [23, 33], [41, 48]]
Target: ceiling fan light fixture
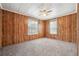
[[45, 12]]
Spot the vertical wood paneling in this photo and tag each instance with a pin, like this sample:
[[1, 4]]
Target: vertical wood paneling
[[15, 29], [0, 28], [19, 28], [74, 27], [78, 29], [7, 28], [42, 28], [67, 28]]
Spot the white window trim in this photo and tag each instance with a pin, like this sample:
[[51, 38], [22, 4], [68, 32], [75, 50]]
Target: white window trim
[[53, 20]]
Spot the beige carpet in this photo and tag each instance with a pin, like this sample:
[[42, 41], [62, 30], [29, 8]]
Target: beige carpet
[[41, 47]]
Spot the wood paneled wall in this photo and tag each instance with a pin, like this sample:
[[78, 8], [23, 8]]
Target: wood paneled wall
[[19, 28], [78, 29], [7, 28], [66, 28], [0, 28], [15, 28]]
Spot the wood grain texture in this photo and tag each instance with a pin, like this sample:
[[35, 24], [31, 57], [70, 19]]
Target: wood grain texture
[[7, 28], [78, 29], [15, 29], [0, 28], [19, 28], [66, 28]]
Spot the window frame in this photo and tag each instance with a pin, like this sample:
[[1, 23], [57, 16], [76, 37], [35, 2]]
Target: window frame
[[52, 20], [36, 20]]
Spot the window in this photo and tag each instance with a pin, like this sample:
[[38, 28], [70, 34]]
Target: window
[[53, 26], [33, 26]]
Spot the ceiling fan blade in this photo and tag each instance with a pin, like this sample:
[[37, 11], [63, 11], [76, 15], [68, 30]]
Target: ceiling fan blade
[[49, 11]]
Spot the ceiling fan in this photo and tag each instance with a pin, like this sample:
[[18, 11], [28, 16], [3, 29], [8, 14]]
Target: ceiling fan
[[45, 12]]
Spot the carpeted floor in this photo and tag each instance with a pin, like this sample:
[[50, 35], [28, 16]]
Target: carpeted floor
[[0, 51], [41, 47]]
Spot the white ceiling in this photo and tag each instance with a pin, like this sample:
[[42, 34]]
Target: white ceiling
[[0, 5], [33, 9]]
